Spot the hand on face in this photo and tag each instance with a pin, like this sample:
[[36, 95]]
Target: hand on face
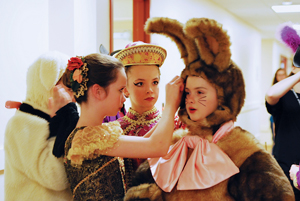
[[59, 99], [174, 90]]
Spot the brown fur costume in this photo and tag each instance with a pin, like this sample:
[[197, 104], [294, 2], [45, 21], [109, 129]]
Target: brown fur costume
[[205, 49]]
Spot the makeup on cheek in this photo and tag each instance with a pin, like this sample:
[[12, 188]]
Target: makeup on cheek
[[202, 100]]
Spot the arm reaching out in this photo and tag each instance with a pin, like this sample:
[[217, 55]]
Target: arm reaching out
[[281, 88], [158, 143]]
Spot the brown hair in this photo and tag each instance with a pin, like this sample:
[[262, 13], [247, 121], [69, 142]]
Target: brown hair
[[102, 71], [275, 79], [127, 70]]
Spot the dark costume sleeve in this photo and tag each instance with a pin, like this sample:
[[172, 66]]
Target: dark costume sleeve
[[61, 125], [274, 109]]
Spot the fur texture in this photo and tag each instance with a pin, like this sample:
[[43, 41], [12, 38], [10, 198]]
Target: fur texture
[[259, 178], [32, 172], [205, 49], [42, 75]]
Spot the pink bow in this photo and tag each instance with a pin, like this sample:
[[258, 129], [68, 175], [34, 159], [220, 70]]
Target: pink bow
[[207, 166]]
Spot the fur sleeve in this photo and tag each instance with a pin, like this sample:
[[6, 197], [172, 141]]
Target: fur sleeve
[[28, 151], [178, 134], [260, 177]]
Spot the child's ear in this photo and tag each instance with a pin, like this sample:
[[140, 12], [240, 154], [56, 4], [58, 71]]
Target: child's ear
[[126, 92], [98, 92]]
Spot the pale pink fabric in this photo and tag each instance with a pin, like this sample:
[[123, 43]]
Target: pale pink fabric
[[207, 166]]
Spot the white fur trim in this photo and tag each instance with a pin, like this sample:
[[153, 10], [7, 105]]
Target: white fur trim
[[32, 172], [42, 76]]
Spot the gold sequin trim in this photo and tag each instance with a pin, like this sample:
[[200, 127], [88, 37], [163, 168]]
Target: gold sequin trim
[[88, 176], [92, 141], [122, 170], [141, 119], [83, 85], [156, 50]]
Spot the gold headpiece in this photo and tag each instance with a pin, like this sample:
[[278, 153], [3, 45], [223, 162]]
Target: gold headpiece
[[140, 53]]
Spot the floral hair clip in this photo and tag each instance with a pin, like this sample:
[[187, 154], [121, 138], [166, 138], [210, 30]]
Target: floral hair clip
[[78, 76]]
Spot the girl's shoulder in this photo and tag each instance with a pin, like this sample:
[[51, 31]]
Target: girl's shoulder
[[92, 141]]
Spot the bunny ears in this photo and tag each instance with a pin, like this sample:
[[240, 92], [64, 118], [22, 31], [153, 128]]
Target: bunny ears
[[199, 36], [205, 49]]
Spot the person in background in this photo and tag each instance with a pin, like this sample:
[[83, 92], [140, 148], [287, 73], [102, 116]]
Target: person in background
[[31, 171], [122, 112], [282, 102], [142, 63], [94, 149], [64, 120], [280, 74]]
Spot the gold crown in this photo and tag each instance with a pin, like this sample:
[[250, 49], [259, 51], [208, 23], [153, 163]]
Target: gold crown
[[144, 54]]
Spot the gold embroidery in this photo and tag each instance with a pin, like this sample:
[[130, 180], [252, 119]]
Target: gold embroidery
[[141, 119], [153, 110], [88, 176], [122, 170], [92, 141], [142, 54], [83, 85]]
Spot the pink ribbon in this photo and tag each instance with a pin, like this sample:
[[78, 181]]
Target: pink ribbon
[[207, 166], [12, 104]]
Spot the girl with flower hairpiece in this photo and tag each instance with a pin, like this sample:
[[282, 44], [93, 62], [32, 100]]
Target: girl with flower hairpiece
[[93, 169]]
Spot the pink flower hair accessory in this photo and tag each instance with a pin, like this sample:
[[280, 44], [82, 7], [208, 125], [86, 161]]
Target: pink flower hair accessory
[[78, 76]]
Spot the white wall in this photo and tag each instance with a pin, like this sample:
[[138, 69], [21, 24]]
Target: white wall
[[23, 36], [270, 62], [32, 27]]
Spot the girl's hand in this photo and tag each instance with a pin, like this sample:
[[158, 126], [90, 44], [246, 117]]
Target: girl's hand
[[59, 99], [174, 90], [293, 170]]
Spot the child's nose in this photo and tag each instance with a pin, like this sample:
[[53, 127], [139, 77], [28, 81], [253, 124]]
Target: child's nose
[[190, 99], [150, 90]]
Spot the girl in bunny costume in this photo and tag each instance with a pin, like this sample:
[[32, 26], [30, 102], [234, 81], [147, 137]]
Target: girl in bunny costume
[[212, 160], [32, 172]]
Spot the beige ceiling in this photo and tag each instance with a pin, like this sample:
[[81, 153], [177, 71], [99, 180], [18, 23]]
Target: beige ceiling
[[259, 14]]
